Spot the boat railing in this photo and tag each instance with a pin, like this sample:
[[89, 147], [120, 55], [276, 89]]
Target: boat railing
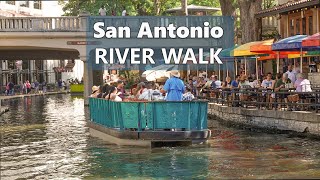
[[149, 115]]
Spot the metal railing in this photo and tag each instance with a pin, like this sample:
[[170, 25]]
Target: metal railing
[[149, 115], [23, 24], [260, 98]]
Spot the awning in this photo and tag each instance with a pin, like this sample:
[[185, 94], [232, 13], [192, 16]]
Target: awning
[[244, 50], [293, 43], [312, 41]]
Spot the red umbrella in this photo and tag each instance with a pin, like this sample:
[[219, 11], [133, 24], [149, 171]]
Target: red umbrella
[[313, 41]]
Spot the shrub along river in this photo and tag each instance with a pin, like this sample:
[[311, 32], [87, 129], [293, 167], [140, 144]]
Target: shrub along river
[[46, 137]]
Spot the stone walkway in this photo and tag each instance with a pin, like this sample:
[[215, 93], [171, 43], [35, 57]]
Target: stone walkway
[[29, 95]]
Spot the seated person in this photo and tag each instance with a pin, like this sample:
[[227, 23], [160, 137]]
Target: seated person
[[147, 94], [95, 91], [280, 85], [141, 87], [187, 96], [113, 94]]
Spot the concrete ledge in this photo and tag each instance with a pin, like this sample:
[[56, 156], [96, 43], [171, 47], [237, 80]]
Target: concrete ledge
[[31, 95], [298, 121]]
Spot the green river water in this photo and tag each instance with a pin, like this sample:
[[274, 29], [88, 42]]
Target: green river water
[[46, 138]]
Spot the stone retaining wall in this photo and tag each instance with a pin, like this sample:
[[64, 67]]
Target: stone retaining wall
[[282, 120]]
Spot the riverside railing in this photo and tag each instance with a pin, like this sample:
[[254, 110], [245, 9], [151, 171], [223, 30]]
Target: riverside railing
[[24, 24], [265, 98], [149, 115]]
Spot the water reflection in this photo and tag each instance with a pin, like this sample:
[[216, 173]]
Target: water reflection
[[47, 137]]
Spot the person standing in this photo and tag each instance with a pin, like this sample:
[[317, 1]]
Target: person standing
[[27, 85], [60, 84], [102, 11], [124, 12], [174, 87], [44, 86], [291, 74], [36, 87]]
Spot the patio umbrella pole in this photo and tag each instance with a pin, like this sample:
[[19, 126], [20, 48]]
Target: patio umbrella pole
[[301, 60], [278, 61], [236, 71], [219, 72], [245, 65], [227, 68], [257, 70]]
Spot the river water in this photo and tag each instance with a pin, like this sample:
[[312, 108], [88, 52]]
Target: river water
[[47, 138]]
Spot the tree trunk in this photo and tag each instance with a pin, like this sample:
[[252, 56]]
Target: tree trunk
[[250, 26], [156, 4], [184, 10], [227, 8]]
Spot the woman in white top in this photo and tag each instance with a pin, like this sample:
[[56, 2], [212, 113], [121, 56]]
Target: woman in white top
[[113, 94]]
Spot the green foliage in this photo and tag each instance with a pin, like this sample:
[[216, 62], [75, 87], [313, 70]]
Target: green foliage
[[133, 8]]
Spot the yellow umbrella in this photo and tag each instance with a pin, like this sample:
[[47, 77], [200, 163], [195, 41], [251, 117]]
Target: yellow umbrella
[[244, 50]]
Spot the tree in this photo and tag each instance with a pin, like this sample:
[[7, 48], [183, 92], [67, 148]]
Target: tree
[[250, 26], [184, 9], [228, 7]]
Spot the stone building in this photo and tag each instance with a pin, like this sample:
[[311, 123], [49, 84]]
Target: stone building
[[19, 70]]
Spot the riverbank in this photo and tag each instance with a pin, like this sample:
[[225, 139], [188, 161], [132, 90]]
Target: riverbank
[[297, 121], [30, 95]]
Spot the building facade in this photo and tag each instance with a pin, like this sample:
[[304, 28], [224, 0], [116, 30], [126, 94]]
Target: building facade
[[20, 70]]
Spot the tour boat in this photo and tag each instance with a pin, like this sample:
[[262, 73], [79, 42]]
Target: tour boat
[[149, 123]]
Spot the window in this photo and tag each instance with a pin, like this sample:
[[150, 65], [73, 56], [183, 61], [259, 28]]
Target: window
[[291, 27], [37, 5], [304, 25], [297, 26], [24, 3], [310, 25], [11, 2]]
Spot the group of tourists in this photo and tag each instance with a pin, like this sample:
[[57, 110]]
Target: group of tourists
[[174, 89]]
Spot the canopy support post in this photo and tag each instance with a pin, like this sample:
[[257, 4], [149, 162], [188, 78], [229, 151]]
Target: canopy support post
[[278, 62], [257, 70], [301, 58], [227, 68], [245, 65], [236, 64]]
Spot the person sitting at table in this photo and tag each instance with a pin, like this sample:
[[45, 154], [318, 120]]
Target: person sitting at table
[[302, 85], [291, 74], [227, 83], [207, 85], [243, 83], [235, 83], [268, 84], [281, 86]]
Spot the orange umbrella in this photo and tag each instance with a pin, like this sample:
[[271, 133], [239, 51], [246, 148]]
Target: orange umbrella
[[265, 47], [271, 57]]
